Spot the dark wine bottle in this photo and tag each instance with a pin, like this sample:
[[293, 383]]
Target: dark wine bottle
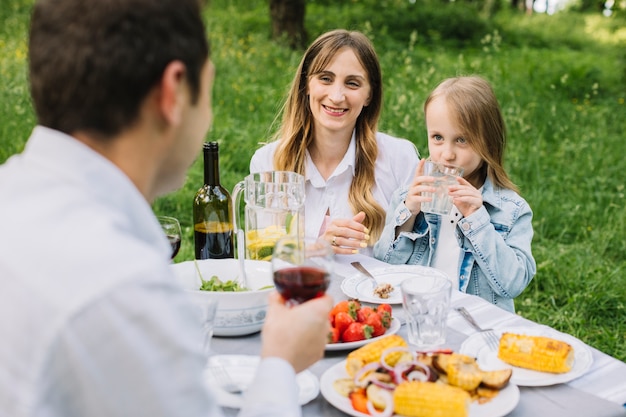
[[212, 211]]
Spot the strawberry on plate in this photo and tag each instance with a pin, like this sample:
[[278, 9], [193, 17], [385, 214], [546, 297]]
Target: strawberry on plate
[[357, 331], [376, 322]]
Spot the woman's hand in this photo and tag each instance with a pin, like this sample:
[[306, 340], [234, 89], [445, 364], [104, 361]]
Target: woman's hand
[[347, 235], [465, 197]]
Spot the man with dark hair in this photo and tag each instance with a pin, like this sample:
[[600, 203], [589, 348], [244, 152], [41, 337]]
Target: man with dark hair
[[92, 321]]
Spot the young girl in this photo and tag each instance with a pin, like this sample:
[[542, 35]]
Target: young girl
[[329, 134], [485, 242]]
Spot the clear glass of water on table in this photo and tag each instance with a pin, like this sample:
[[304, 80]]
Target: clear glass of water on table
[[426, 303]]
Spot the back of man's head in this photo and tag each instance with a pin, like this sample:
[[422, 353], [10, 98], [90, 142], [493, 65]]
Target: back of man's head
[[92, 63]]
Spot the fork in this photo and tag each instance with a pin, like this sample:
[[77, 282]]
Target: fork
[[224, 380], [488, 334], [365, 272]]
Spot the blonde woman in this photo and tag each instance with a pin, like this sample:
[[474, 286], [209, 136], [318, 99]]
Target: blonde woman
[[329, 134]]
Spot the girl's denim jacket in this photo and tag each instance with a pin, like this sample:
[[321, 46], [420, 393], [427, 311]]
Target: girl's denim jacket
[[496, 262]]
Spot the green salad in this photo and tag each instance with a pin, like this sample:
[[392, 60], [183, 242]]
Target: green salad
[[215, 284]]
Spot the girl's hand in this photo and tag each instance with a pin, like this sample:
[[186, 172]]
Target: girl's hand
[[420, 184], [348, 235], [465, 197]]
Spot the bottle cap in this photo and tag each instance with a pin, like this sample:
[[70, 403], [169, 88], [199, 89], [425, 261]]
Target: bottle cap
[[211, 146]]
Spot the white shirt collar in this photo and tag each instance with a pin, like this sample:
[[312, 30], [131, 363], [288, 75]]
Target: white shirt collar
[[348, 162]]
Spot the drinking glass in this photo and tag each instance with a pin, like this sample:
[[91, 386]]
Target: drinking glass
[[171, 228], [445, 175], [302, 268], [426, 301]]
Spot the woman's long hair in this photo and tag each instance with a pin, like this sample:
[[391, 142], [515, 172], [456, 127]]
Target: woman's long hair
[[476, 110], [296, 132]]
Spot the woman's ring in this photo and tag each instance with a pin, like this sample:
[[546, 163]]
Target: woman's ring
[[334, 242]]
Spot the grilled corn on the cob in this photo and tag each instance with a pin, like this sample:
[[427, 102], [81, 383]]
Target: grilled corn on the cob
[[430, 399], [372, 353], [463, 372], [538, 353]]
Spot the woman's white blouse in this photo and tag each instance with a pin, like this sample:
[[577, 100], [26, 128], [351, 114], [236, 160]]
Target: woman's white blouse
[[395, 167]]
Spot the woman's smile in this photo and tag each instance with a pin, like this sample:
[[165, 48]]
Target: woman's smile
[[335, 110]]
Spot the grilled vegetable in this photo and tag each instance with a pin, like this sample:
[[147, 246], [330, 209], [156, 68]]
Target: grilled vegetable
[[538, 353], [463, 371], [372, 353], [344, 386], [496, 379], [430, 399], [358, 399]]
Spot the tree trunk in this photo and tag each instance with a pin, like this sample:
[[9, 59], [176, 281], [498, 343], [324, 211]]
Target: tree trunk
[[288, 21]]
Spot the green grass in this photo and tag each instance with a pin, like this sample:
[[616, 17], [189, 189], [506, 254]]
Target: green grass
[[561, 81]]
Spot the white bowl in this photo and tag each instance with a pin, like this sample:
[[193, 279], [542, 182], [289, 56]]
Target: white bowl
[[238, 313]]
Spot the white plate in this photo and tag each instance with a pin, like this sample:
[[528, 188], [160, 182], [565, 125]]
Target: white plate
[[242, 368], [500, 406], [360, 287], [393, 329], [488, 359]]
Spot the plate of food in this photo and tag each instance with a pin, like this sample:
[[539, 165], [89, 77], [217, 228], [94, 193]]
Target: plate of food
[[241, 370], [388, 278], [393, 329], [388, 289], [538, 355], [416, 380], [354, 325]]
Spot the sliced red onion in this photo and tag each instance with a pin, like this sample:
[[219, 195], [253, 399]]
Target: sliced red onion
[[358, 377], [386, 352], [387, 411], [416, 376], [384, 385], [399, 370], [403, 369]]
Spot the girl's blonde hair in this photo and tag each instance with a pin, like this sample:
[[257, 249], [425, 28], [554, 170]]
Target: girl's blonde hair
[[296, 132], [476, 110]]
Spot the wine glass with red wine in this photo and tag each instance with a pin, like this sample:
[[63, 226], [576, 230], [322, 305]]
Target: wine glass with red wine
[[171, 228], [302, 268]]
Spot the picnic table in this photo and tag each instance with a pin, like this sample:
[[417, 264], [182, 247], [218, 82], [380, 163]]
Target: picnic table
[[599, 392]]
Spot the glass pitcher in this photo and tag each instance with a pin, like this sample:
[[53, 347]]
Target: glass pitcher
[[274, 208]]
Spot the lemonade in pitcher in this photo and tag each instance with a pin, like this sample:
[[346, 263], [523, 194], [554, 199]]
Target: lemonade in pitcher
[[260, 243], [274, 207]]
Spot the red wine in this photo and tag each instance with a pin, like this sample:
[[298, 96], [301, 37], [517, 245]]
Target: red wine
[[175, 242], [301, 283]]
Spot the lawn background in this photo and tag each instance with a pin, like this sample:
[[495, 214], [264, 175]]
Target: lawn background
[[561, 81]]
